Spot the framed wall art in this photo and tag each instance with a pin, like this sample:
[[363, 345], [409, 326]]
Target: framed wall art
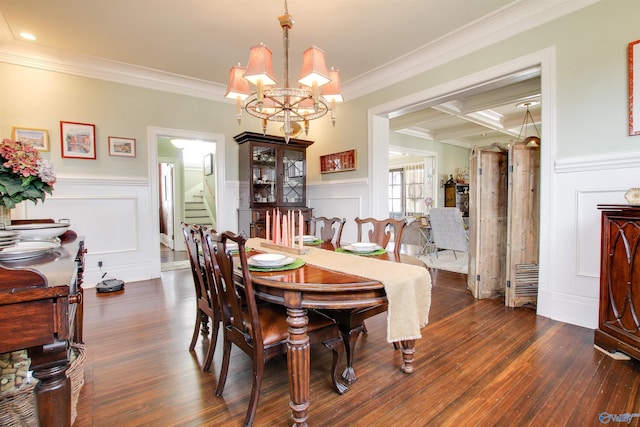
[[38, 138], [78, 140], [338, 162], [634, 88], [208, 164], [123, 147]]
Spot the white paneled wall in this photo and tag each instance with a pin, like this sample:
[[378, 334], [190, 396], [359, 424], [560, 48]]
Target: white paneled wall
[[113, 215], [343, 199], [570, 291]]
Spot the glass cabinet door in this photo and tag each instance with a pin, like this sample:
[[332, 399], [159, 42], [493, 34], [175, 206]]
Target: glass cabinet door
[[293, 182], [264, 174]]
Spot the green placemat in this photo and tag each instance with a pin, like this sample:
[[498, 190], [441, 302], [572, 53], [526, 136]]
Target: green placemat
[[235, 251], [376, 252], [295, 264], [315, 242]]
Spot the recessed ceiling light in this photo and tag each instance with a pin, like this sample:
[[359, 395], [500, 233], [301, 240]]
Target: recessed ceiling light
[[527, 104], [27, 36]]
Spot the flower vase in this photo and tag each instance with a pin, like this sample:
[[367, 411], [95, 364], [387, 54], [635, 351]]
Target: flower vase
[[5, 216]]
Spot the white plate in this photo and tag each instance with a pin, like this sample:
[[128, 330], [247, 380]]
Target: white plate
[[8, 243], [4, 234], [27, 250], [261, 260], [39, 231], [362, 247], [306, 238], [232, 246]]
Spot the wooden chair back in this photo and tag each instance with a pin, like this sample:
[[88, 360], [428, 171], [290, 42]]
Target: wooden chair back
[[327, 228], [239, 308], [381, 230], [207, 308]]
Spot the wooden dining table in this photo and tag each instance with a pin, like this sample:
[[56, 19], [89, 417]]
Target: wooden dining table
[[314, 287]]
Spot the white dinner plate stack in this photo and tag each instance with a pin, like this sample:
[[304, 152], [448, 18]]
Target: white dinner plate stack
[[8, 239]]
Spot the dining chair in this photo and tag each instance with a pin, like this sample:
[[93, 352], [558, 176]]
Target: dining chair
[[380, 231], [207, 307], [261, 331], [328, 228]]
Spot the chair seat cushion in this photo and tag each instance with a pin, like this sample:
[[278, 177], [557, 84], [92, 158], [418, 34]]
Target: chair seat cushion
[[273, 321]]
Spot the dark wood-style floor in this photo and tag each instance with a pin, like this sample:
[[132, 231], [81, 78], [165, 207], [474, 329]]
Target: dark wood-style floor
[[478, 363]]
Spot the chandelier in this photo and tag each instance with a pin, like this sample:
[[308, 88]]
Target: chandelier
[[318, 93], [528, 120]]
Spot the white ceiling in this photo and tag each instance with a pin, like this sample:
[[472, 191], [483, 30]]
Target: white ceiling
[[368, 40]]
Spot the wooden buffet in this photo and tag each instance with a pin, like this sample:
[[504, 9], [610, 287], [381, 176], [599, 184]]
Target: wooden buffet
[[618, 328], [41, 310]]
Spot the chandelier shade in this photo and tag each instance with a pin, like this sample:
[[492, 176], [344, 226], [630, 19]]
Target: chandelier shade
[[285, 104], [332, 91], [314, 68], [260, 66], [238, 86]]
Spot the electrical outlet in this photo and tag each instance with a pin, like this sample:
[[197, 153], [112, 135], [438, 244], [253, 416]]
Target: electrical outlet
[[100, 263]]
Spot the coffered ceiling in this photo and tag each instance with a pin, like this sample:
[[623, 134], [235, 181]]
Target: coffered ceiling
[[495, 115], [188, 46]]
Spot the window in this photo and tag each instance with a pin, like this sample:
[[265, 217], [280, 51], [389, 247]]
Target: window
[[406, 191]]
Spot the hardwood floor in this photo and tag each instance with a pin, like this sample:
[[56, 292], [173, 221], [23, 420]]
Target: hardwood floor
[[478, 363]]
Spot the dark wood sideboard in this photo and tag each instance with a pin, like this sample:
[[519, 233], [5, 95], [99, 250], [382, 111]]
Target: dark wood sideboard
[[41, 310], [618, 324]]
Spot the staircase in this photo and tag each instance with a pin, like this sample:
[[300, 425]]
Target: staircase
[[196, 213]]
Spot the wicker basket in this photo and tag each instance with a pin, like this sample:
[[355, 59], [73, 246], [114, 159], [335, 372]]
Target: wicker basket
[[76, 374], [18, 407]]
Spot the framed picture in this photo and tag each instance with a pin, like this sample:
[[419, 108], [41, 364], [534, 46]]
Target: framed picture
[[208, 164], [634, 88], [78, 140], [38, 138], [338, 162], [124, 147]]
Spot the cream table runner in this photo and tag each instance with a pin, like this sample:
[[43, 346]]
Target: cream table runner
[[408, 287]]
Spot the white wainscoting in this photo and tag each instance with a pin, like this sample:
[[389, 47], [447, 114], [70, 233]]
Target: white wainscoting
[[114, 217], [343, 199], [579, 184]]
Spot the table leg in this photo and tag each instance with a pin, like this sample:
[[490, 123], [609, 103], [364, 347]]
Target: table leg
[[53, 392], [298, 362], [350, 338], [408, 349]]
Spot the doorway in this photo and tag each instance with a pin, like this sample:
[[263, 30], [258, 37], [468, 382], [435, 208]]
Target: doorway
[[379, 135], [157, 137]]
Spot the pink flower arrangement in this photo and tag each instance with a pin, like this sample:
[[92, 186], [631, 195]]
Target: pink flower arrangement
[[24, 174]]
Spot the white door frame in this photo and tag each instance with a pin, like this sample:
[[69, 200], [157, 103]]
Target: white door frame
[[379, 142]]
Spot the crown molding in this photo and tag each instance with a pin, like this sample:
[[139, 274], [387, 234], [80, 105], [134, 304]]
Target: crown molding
[[608, 161], [500, 25], [16, 53]]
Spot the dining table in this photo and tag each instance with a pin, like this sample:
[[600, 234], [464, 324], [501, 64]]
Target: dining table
[[332, 278]]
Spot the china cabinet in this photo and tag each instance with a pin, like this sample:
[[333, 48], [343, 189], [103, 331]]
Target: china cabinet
[[272, 175]]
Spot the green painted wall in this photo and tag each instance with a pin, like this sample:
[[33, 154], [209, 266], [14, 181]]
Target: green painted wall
[[591, 83]]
